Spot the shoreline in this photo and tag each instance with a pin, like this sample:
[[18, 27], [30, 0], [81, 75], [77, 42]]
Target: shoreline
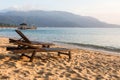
[[70, 45]]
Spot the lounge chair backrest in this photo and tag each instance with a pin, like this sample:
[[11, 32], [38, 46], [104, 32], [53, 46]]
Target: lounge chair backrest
[[23, 36]]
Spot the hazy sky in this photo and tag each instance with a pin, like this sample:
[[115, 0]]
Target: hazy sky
[[104, 10]]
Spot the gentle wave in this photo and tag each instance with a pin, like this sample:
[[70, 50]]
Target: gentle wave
[[108, 48]]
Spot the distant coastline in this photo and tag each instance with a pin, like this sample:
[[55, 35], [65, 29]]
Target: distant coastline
[[4, 25], [8, 26]]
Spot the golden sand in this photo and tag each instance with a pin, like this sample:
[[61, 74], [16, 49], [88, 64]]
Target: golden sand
[[84, 65]]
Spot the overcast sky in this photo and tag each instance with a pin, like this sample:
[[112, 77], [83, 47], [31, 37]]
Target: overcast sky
[[104, 10]]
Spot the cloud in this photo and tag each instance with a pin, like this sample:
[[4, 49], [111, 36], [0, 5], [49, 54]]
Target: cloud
[[22, 7]]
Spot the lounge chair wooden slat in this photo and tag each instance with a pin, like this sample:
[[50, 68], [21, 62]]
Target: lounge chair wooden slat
[[41, 50], [23, 36], [24, 43]]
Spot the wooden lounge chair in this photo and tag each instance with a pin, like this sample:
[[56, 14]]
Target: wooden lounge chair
[[25, 39], [27, 46], [30, 48]]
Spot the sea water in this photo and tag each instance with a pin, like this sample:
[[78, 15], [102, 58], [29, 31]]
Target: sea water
[[104, 38]]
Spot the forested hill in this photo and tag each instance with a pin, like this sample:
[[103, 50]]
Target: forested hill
[[51, 19]]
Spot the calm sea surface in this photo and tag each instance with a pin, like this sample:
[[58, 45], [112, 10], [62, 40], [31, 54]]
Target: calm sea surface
[[88, 37]]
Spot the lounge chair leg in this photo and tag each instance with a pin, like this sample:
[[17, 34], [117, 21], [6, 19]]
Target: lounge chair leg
[[69, 54], [58, 53], [22, 55], [32, 56], [45, 46], [48, 46]]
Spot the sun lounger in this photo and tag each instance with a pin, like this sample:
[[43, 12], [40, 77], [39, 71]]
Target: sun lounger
[[34, 51], [25, 39], [27, 46], [30, 48]]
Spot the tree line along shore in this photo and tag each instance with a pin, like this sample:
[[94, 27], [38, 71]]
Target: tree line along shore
[[3, 25]]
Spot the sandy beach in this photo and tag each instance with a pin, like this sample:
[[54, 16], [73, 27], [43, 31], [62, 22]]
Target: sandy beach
[[59, 39], [84, 65]]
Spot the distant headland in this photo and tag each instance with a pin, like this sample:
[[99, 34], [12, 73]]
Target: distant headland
[[52, 19]]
